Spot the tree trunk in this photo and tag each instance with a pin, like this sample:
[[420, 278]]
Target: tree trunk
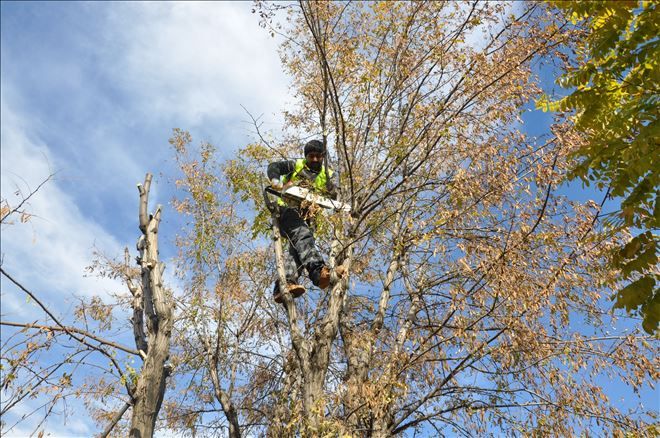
[[225, 401], [357, 365], [312, 392], [316, 354], [231, 414], [149, 393], [150, 386], [312, 353]]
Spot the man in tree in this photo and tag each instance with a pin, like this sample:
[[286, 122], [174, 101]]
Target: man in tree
[[295, 218]]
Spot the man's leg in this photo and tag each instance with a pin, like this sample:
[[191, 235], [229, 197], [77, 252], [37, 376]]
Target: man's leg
[[292, 265], [302, 240], [293, 268]]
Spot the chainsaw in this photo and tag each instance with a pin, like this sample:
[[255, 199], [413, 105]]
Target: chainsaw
[[299, 194]]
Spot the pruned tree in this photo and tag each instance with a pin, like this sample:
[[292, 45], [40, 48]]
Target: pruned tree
[[153, 310], [38, 364]]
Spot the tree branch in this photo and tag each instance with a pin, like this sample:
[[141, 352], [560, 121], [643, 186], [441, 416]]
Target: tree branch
[[69, 330], [115, 420]]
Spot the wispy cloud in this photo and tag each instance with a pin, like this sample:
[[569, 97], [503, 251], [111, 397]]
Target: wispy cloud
[[195, 61], [103, 84], [71, 426], [125, 75], [50, 251]]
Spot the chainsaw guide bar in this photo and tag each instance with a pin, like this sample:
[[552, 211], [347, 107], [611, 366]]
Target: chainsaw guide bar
[[299, 194]]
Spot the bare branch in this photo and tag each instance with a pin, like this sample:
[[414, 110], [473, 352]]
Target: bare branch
[[120, 413], [68, 330]]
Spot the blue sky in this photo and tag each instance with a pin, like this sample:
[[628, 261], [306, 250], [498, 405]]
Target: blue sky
[[91, 92]]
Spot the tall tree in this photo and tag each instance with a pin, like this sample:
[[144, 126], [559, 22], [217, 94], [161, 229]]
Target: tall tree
[[613, 75], [466, 269]]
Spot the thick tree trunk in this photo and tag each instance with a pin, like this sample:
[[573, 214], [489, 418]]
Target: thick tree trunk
[[150, 387], [316, 357], [313, 353], [358, 355], [149, 393], [312, 393]]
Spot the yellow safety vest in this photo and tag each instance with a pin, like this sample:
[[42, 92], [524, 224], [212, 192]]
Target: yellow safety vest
[[319, 183]]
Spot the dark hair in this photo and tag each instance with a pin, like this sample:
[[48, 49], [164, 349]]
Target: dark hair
[[314, 146]]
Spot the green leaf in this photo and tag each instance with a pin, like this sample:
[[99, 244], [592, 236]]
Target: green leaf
[[651, 312], [631, 248], [635, 294], [615, 106], [645, 260]]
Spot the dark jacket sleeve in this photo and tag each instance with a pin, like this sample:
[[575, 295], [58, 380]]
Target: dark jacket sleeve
[[280, 168]]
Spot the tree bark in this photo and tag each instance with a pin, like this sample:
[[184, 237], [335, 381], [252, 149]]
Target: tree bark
[[150, 386], [224, 398]]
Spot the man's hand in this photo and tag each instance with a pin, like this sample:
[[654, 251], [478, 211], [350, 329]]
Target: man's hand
[[276, 184]]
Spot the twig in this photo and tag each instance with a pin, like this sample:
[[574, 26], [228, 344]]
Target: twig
[[70, 333], [255, 122], [17, 208]]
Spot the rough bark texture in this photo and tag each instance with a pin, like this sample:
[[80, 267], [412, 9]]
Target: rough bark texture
[[150, 385]]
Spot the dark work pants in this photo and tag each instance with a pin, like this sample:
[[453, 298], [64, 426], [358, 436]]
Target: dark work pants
[[302, 246]]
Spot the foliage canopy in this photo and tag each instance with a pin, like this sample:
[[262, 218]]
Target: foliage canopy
[[614, 79]]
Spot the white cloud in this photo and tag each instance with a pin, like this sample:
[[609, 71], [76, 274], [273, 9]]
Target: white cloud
[[197, 61], [74, 425], [48, 253], [188, 62]]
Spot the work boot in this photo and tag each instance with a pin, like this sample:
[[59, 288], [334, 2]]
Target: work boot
[[321, 276], [294, 289]]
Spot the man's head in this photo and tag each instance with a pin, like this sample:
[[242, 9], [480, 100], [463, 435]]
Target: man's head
[[314, 154]]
